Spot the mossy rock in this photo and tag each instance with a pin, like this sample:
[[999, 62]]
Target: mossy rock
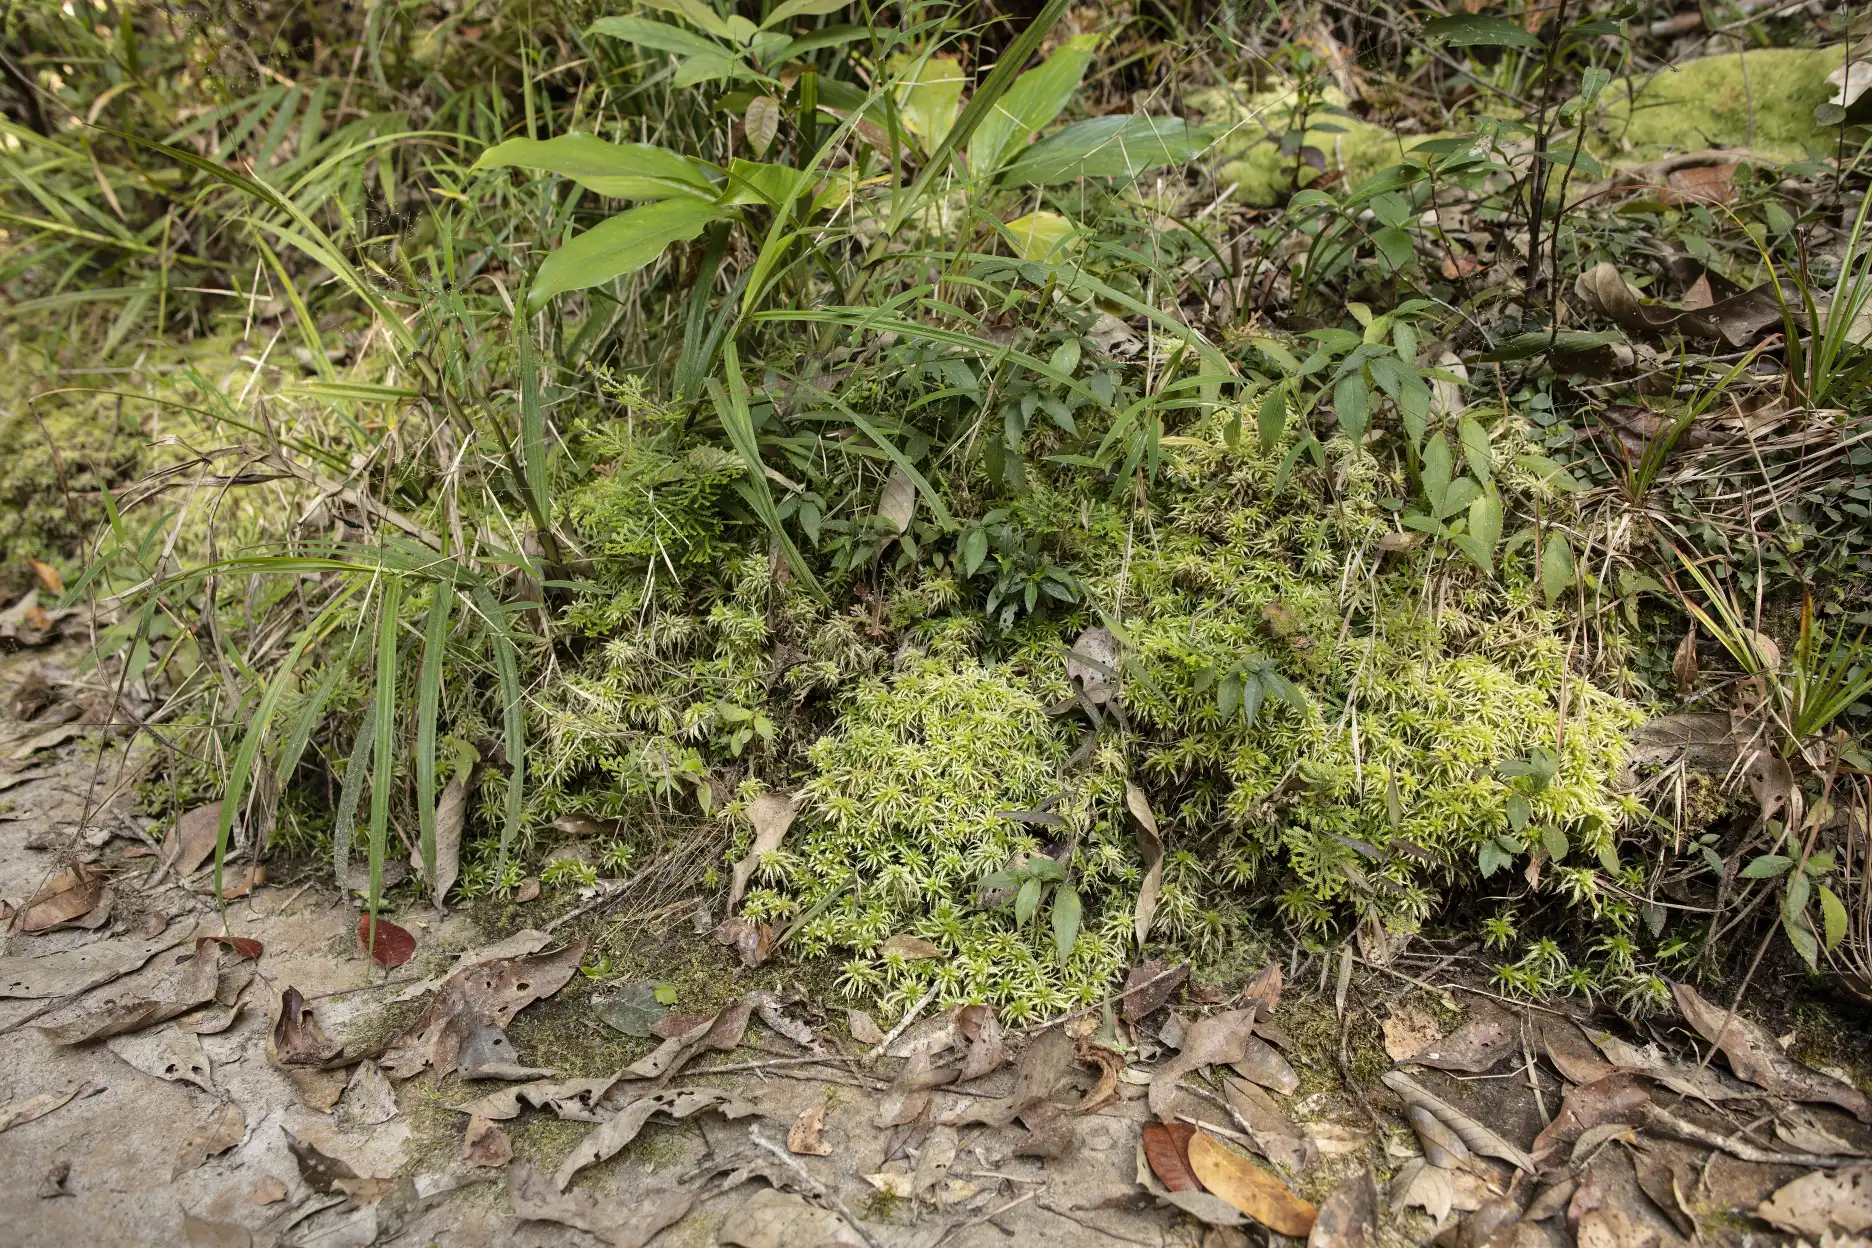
[[1707, 103]]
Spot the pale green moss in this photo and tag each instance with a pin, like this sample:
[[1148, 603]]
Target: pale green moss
[[1708, 103], [1251, 156]]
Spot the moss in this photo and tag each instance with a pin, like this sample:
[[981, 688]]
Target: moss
[[1709, 103], [49, 501], [1251, 158]]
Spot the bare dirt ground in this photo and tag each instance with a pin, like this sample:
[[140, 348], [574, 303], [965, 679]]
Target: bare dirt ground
[[1389, 1110]]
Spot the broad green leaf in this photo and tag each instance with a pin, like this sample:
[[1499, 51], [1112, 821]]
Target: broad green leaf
[[1485, 523], [620, 170], [1832, 916], [1476, 30], [657, 36], [1044, 868], [1107, 147], [929, 94], [1041, 235], [802, 8], [1491, 858], [1555, 842], [1066, 914], [1273, 417], [1352, 405], [696, 13], [1475, 447], [709, 67], [1035, 99], [974, 550], [624, 244], [1436, 471], [1556, 570], [1800, 934], [1027, 900], [1767, 866], [755, 182], [995, 880], [1462, 492], [1517, 811]]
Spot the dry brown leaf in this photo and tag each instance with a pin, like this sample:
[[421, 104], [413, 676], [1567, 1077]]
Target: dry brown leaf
[[1476, 1045], [897, 502], [1263, 993], [1571, 1053], [1272, 1131], [482, 994], [616, 1222], [1802, 1130], [1618, 1098], [1702, 184], [1684, 662], [1248, 1187], [1737, 320], [807, 1134], [1259, 1063], [1166, 1149], [1441, 1145], [170, 1055], [226, 1127], [202, 1233], [191, 839], [1429, 1187], [48, 576], [1754, 1056], [772, 1219], [65, 900], [1163, 979], [771, 814], [1151, 849], [268, 1190], [298, 1040], [1685, 1078], [1092, 666], [1408, 1031], [1612, 1227], [1822, 1205], [622, 1127], [188, 979], [752, 942], [863, 1029], [1042, 1068], [1349, 1218], [32, 1108], [1478, 1138], [987, 1048], [485, 1144], [529, 890], [1216, 1040], [910, 948], [369, 1100], [451, 815]]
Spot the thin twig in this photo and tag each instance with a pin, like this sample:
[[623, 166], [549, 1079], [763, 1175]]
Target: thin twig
[[818, 1189]]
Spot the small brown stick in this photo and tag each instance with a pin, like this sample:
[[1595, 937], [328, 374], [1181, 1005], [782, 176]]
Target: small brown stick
[[812, 1185]]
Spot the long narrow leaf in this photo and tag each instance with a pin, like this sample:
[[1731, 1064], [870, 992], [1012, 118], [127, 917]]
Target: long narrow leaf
[[384, 712], [428, 701]]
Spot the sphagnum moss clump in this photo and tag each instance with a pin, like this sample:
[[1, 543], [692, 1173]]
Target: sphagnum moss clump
[[1365, 801]]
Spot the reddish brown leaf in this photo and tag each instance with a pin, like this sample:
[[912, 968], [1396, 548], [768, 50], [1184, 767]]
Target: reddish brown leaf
[[48, 576], [298, 1040], [1263, 992], [1109, 1065], [1166, 1147], [389, 945], [242, 946]]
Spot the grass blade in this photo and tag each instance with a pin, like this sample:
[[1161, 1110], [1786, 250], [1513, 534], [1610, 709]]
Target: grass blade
[[384, 715], [428, 701]]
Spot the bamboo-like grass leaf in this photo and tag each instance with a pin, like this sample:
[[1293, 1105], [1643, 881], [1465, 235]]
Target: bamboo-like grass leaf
[[622, 245], [428, 702], [383, 713], [731, 404], [619, 170], [246, 756]]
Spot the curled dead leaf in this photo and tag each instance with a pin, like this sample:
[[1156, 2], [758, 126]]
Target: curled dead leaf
[[754, 943], [1477, 1137], [485, 1144], [1349, 1218], [1754, 1056], [68, 899]]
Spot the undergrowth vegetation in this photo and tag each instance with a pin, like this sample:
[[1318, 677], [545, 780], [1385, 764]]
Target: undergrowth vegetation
[[1140, 480]]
